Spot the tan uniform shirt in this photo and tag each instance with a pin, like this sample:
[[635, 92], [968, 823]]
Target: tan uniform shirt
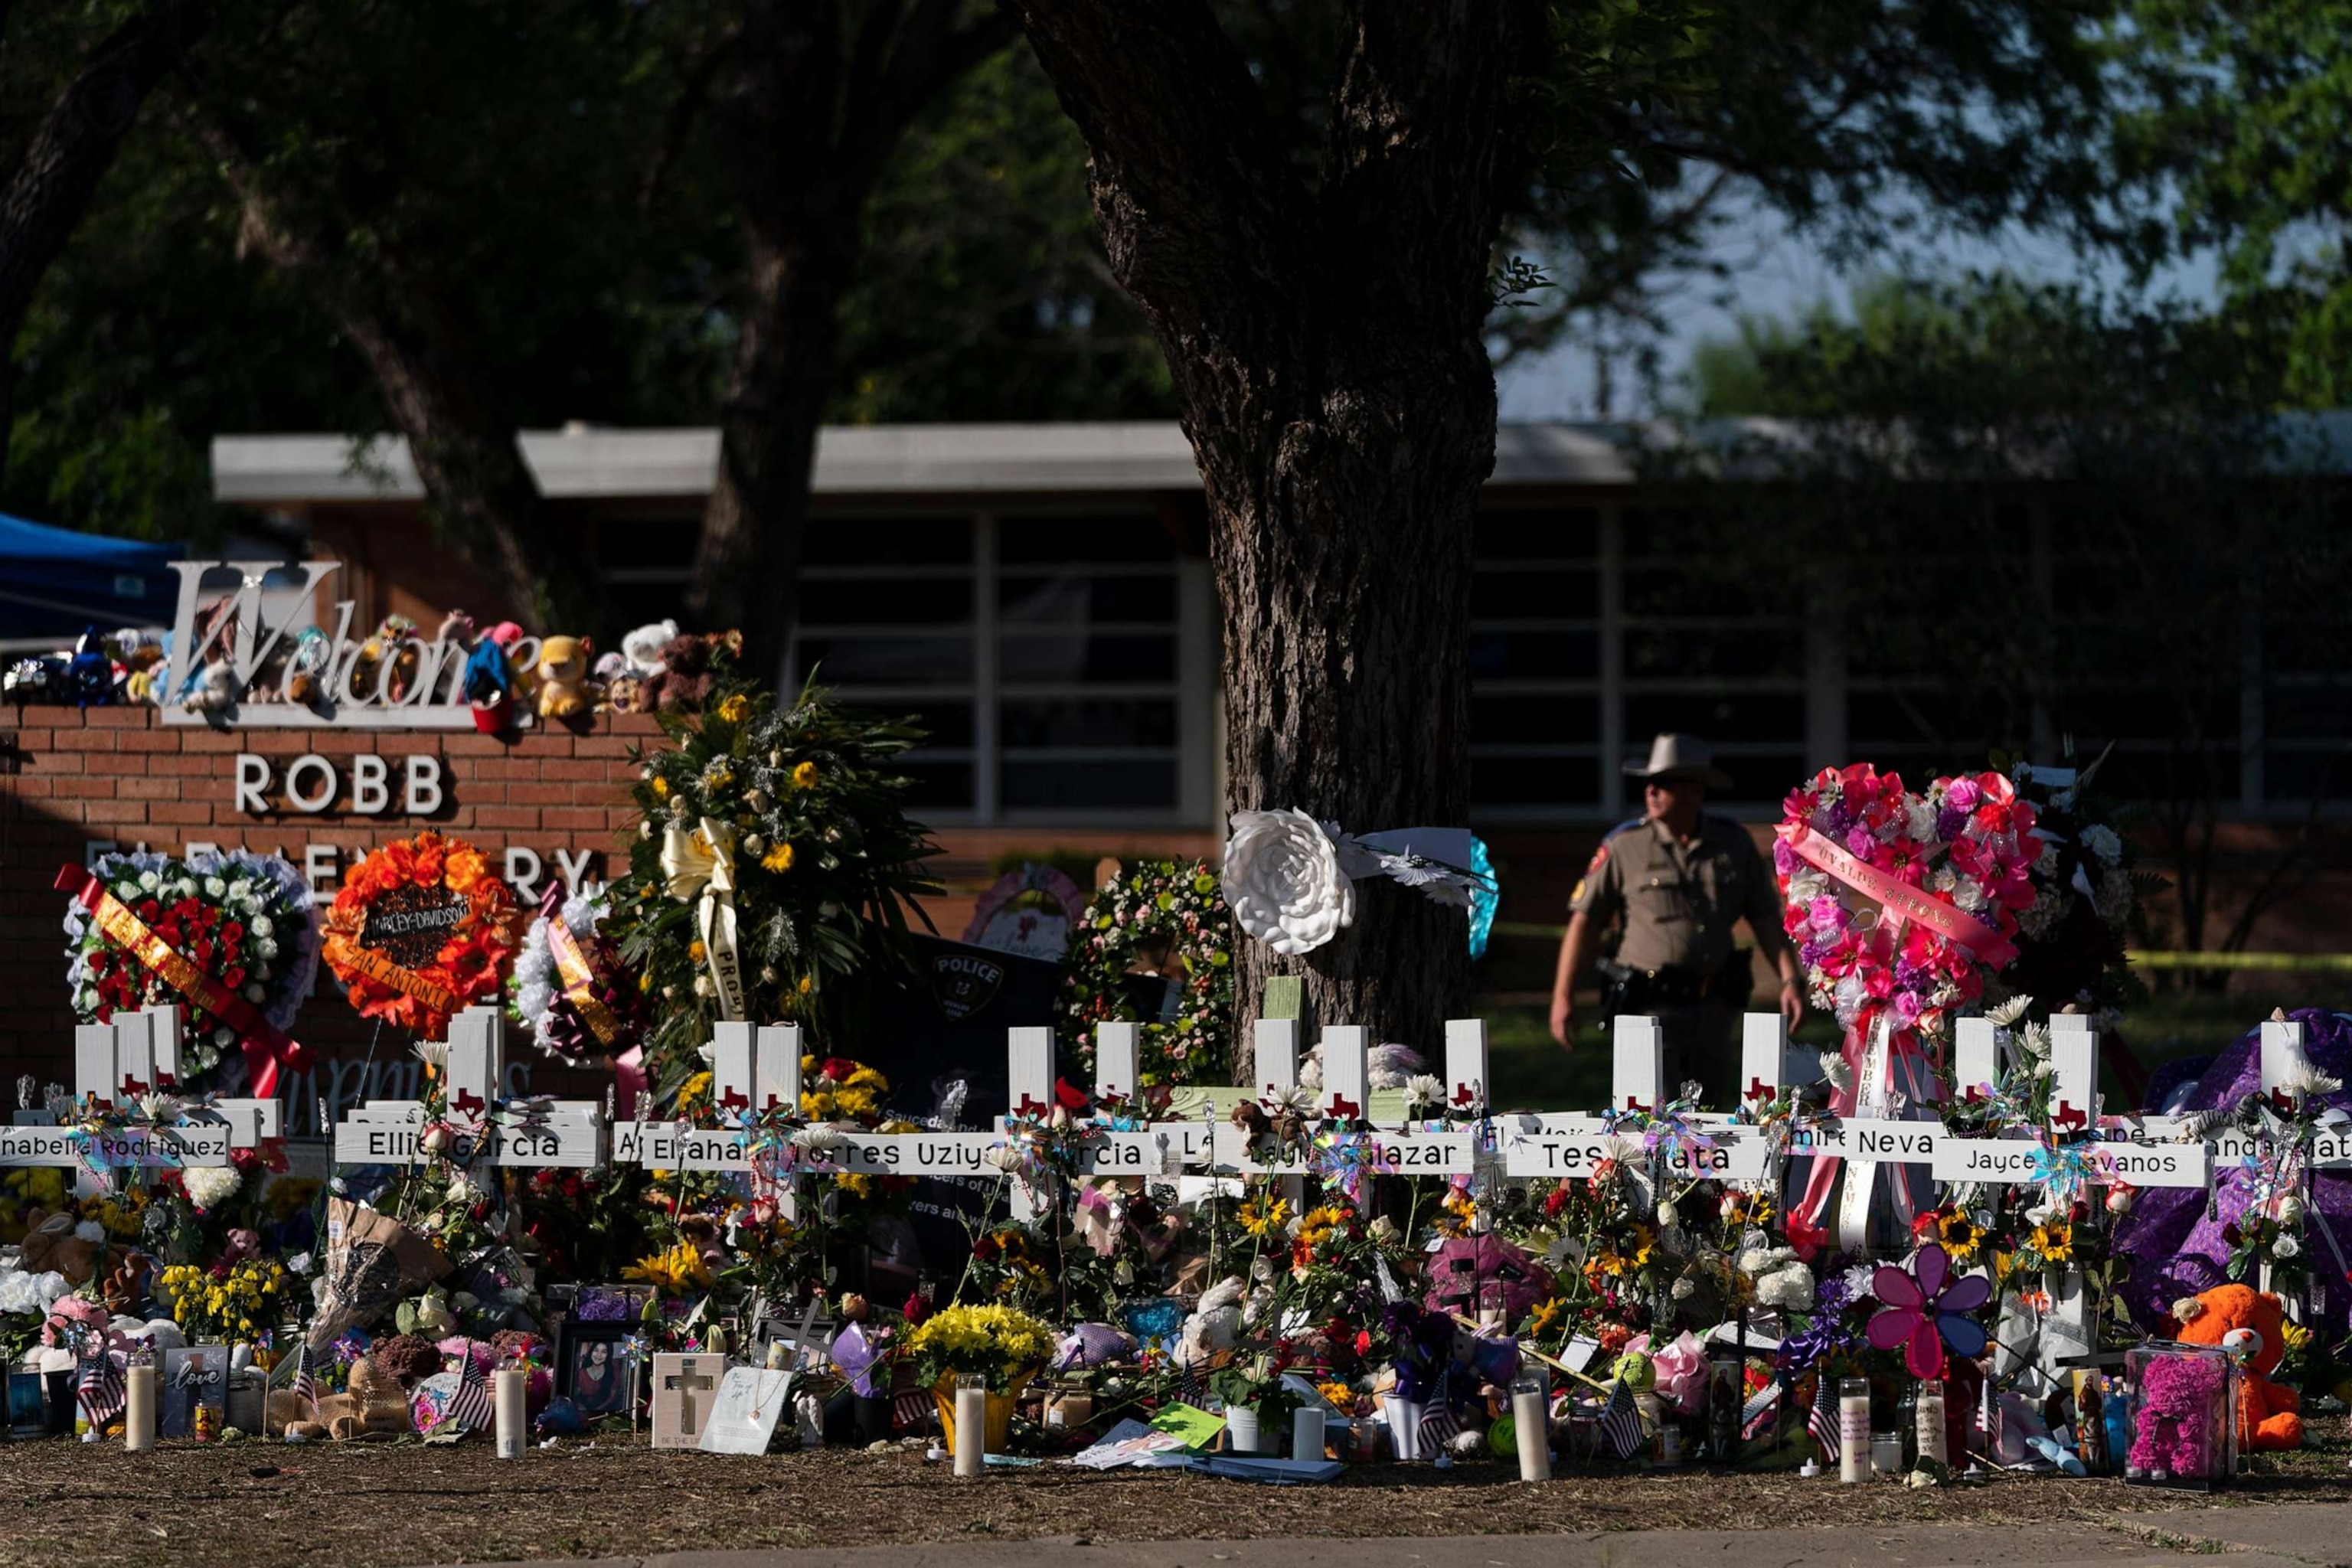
[[1679, 900]]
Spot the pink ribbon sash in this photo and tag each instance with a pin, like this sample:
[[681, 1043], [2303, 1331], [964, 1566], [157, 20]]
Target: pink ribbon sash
[[1900, 899]]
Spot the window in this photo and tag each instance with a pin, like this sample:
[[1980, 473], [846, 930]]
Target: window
[[1047, 653]]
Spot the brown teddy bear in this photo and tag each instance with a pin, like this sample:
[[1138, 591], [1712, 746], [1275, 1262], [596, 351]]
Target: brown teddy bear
[[372, 1403], [687, 672], [50, 1244], [2251, 1325]]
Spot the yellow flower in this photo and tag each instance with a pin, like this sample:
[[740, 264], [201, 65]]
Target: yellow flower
[[661, 787], [694, 1094], [856, 1184], [804, 777], [1961, 1236], [673, 1270], [1264, 1217], [696, 953], [1318, 1222], [2054, 1241], [735, 709], [778, 860], [1547, 1314]]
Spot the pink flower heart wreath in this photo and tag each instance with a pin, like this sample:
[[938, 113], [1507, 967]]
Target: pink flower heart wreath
[[1948, 871]]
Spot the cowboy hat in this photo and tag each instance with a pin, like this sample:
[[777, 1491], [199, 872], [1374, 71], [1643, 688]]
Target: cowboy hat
[[1674, 756]]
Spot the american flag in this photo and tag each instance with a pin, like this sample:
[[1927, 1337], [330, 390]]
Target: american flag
[[1438, 1425], [306, 1386], [99, 1390], [471, 1406], [1823, 1424], [912, 1410], [1620, 1423]]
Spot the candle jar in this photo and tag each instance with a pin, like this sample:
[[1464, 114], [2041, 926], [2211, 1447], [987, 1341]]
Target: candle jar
[[2184, 1415], [1853, 1430], [1886, 1453], [1532, 1426], [971, 1424]]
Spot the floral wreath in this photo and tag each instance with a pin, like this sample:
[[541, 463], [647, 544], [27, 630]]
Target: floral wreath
[[1178, 903], [1950, 870], [232, 938], [569, 987], [420, 930]]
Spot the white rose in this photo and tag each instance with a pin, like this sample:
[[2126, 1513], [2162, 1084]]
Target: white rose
[[2287, 1246], [149, 880], [2101, 841], [214, 888], [1282, 880], [261, 926]]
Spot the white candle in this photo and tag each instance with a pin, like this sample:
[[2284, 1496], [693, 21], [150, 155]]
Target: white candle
[[138, 1408], [1854, 1431], [971, 1428], [1533, 1429], [509, 1385], [1306, 1435]]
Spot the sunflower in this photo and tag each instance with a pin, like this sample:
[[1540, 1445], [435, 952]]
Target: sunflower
[[2054, 1242], [1318, 1224], [1545, 1316], [1961, 1236], [1264, 1217]]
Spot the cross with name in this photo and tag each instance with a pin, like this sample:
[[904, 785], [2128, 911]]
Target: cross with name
[[483, 1128], [754, 1071], [117, 1064]]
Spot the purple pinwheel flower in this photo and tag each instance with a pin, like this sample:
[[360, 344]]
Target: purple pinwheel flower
[[1923, 1308]]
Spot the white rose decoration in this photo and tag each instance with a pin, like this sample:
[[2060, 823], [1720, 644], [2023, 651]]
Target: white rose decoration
[[2101, 841], [1282, 880]]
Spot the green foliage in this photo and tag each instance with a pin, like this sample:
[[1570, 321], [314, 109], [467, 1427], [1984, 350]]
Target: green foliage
[[2234, 136], [827, 867], [982, 292]]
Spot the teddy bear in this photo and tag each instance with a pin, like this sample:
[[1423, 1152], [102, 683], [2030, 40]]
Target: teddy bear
[[52, 1245], [2251, 1325], [562, 673], [687, 677], [641, 650], [372, 1403]]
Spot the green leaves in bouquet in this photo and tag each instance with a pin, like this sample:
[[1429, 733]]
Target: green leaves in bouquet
[[827, 866]]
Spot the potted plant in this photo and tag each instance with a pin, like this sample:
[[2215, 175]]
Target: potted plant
[[1003, 1345], [1257, 1401]]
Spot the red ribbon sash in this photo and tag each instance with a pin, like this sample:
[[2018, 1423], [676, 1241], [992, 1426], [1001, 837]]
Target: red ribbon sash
[[264, 1046]]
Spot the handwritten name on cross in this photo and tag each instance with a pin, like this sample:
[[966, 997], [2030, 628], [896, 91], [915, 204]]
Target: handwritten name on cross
[[751, 1071]]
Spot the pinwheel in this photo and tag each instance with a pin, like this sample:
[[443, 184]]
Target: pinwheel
[[1924, 1308]]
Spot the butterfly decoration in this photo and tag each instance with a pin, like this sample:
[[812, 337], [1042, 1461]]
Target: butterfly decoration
[[1923, 1308]]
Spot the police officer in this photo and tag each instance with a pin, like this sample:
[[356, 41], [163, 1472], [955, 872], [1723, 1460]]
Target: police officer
[[1680, 877]]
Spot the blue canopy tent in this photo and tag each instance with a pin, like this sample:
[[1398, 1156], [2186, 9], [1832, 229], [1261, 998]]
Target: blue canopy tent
[[54, 581]]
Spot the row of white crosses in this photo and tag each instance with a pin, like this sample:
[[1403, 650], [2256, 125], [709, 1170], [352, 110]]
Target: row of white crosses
[[118, 1064], [568, 1133]]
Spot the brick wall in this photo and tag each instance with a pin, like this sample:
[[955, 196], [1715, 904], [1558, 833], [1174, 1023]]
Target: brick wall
[[70, 775]]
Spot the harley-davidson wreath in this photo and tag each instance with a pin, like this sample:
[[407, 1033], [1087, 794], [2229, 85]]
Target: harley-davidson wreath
[[421, 930]]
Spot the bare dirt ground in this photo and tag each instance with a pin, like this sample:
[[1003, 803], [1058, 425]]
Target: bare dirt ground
[[254, 1505]]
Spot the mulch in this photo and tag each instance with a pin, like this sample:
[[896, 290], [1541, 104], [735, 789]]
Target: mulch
[[258, 1505]]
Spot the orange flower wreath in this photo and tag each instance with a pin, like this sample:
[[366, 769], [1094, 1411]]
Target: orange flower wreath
[[420, 930]]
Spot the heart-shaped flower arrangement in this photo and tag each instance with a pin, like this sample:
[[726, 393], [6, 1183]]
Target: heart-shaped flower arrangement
[[1903, 904]]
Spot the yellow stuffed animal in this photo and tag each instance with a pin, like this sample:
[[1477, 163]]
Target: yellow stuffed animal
[[563, 690], [371, 1403]]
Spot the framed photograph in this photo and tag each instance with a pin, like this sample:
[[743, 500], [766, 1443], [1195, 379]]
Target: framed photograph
[[608, 1303], [27, 1417], [593, 1367]]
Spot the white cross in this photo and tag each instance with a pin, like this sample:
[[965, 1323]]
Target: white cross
[[567, 1133], [116, 1064]]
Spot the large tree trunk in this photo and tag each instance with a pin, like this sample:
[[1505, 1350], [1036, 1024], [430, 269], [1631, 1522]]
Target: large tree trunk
[[482, 494], [819, 95], [1337, 391], [747, 564], [73, 146]]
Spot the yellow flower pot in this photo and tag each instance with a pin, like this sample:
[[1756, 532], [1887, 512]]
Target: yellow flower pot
[[999, 1412]]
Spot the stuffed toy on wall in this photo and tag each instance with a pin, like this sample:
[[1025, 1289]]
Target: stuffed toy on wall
[[685, 677], [2251, 1326], [642, 648], [563, 690], [489, 678]]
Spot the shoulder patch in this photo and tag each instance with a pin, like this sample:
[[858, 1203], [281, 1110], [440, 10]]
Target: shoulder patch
[[1599, 856], [1578, 897]]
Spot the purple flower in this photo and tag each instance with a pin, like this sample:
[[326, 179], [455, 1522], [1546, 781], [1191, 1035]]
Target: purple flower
[[1859, 840], [1784, 859], [1907, 1006], [1949, 823]]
